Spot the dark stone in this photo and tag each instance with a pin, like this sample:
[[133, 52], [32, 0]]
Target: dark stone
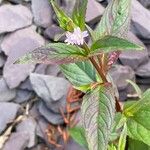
[[28, 125], [50, 116], [6, 94], [17, 141], [8, 113], [144, 70], [134, 58], [140, 21], [53, 32], [42, 13]]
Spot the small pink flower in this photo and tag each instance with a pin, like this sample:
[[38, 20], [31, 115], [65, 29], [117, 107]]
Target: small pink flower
[[77, 37]]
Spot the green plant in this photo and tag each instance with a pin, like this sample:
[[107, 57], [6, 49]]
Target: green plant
[[87, 68]]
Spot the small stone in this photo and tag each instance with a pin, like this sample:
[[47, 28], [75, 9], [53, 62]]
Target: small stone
[[55, 88], [8, 113], [52, 32], [42, 13], [16, 73], [41, 69], [13, 17], [134, 58], [28, 125], [6, 94], [53, 70], [120, 74], [140, 20], [50, 116], [23, 96], [41, 128], [94, 11], [17, 141], [144, 70], [26, 85], [52, 90]]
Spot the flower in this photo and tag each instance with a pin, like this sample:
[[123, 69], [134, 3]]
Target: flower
[[77, 37]]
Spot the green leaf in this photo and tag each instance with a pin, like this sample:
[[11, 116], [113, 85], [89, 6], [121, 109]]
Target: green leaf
[[79, 12], [54, 53], [92, 34], [137, 145], [98, 111], [111, 43], [116, 19], [138, 116], [65, 22], [122, 139], [142, 103], [137, 131], [78, 134], [111, 147], [79, 74]]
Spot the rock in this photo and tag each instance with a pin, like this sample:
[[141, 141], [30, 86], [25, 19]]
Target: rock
[[42, 13], [16, 73], [68, 6], [53, 70], [28, 125], [26, 85], [94, 11], [134, 58], [41, 69], [144, 70], [50, 116], [145, 3], [41, 128], [52, 90], [143, 81], [23, 96], [13, 17], [52, 32], [17, 141], [120, 74], [2, 60], [140, 21], [6, 94], [8, 113]]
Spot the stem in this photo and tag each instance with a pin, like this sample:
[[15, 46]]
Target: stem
[[98, 69]]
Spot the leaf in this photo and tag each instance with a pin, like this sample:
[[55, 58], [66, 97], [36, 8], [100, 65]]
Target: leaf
[[136, 87], [98, 111], [78, 134], [111, 43], [65, 22], [137, 145], [116, 19], [55, 53], [79, 12], [138, 119], [143, 102], [122, 139], [79, 74], [138, 132]]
